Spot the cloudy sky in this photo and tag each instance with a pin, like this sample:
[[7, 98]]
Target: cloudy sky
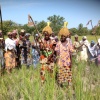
[[74, 11]]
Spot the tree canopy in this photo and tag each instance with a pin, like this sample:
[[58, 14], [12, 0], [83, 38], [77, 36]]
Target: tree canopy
[[56, 25]]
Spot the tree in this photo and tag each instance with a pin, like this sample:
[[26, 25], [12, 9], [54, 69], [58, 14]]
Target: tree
[[73, 31], [41, 25], [56, 22], [9, 26]]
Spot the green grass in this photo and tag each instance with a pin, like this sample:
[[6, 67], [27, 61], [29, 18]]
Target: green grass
[[89, 37], [24, 84]]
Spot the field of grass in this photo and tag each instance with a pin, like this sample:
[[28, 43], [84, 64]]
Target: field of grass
[[24, 84]]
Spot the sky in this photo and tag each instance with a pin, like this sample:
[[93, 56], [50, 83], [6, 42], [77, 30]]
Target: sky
[[74, 11]]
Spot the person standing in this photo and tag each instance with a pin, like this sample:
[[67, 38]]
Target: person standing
[[84, 52], [77, 48], [10, 56], [47, 51], [64, 50], [16, 39], [27, 52], [92, 51], [36, 50]]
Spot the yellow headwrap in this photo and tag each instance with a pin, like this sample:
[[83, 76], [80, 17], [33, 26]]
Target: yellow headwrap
[[64, 31], [47, 28]]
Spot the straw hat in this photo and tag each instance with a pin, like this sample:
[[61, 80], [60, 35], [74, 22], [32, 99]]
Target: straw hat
[[64, 31], [47, 28]]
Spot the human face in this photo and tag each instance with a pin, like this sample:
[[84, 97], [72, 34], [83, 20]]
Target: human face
[[22, 33], [63, 38], [47, 36], [92, 44], [10, 36], [14, 35], [76, 38]]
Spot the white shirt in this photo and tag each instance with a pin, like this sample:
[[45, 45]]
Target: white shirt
[[10, 44]]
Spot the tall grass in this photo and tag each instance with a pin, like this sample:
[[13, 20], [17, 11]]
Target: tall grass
[[24, 84]]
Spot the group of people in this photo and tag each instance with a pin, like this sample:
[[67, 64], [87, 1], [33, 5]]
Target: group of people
[[48, 49]]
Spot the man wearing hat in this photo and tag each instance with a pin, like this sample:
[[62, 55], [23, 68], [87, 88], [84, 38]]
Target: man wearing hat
[[1, 50], [64, 50], [10, 57], [84, 53]]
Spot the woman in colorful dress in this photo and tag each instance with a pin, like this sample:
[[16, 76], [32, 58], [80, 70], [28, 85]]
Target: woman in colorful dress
[[64, 49], [46, 57]]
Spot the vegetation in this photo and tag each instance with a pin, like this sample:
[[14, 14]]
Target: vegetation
[[56, 24], [24, 84]]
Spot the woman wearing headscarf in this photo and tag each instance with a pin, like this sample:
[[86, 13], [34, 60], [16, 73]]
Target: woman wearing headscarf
[[10, 56], [84, 52], [35, 51], [64, 50]]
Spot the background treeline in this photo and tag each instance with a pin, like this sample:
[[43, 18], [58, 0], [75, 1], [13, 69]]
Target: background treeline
[[56, 24]]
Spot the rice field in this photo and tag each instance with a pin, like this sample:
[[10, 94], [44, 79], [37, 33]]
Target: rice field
[[24, 83]]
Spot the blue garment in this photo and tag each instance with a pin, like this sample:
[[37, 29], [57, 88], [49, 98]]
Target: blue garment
[[35, 57]]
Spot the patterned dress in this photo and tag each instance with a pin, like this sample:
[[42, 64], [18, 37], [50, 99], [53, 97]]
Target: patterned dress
[[46, 64], [25, 52], [77, 48], [10, 56], [64, 71]]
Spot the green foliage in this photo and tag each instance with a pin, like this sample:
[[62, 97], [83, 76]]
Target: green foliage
[[41, 25], [56, 22]]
